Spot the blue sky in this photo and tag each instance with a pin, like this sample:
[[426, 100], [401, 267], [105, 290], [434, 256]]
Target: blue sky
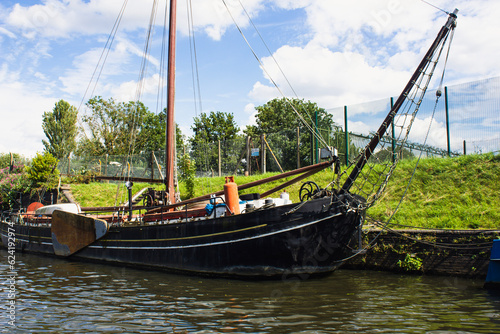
[[333, 52]]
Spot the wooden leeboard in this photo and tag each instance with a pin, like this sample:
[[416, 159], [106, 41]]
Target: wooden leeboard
[[72, 232]]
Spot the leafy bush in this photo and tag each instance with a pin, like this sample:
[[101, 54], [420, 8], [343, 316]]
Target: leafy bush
[[5, 159], [43, 172], [12, 184], [187, 174]]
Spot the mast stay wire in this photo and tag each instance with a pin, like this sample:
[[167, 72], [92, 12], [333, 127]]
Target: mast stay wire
[[198, 107], [384, 226], [194, 60], [99, 68], [138, 93], [432, 5], [102, 60], [299, 115]]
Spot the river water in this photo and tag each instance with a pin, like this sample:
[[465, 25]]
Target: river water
[[59, 296]]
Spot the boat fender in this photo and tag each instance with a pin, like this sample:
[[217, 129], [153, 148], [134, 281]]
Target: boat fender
[[209, 208], [250, 197], [231, 196]]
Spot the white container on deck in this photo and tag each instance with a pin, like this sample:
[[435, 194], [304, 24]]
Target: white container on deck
[[66, 207]]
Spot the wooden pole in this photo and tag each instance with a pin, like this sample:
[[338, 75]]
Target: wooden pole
[[298, 147], [170, 128], [220, 165], [346, 137], [263, 152], [152, 165], [249, 167]]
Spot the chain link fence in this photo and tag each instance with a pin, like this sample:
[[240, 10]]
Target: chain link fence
[[465, 120]]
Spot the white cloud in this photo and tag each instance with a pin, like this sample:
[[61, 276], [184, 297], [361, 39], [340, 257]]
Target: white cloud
[[364, 50], [76, 79], [345, 53], [436, 135], [358, 127], [251, 112], [62, 19], [328, 78], [22, 131], [128, 91]]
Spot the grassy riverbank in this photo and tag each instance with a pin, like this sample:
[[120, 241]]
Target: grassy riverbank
[[454, 193]]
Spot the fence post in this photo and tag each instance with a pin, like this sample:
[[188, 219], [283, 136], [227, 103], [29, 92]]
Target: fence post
[[106, 166], [220, 165], [249, 168], [346, 134], [393, 135], [447, 120], [152, 166], [298, 147], [316, 133], [465, 147], [263, 153]]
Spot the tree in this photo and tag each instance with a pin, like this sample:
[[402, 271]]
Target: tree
[[60, 128], [43, 172], [208, 130], [187, 174], [279, 121], [114, 127], [151, 137]]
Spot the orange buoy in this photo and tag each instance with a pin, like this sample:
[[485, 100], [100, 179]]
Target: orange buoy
[[231, 195]]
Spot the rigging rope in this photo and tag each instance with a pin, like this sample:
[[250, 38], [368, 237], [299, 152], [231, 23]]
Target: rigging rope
[[104, 54], [194, 60], [313, 131], [100, 64], [426, 2], [409, 102], [476, 246], [198, 107]]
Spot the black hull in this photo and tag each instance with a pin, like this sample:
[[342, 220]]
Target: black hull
[[306, 239]]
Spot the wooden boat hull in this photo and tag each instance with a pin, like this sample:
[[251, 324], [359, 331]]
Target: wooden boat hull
[[306, 239]]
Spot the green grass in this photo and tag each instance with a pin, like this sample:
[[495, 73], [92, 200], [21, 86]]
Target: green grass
[[451, 193], [458, 193]]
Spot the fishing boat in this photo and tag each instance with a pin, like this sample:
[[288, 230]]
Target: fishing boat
[[223, 233]]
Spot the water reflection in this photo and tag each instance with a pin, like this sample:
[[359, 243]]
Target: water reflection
[[64, 296]]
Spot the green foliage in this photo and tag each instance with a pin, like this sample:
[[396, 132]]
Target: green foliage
[[12, 183], [187, 175], [5, 159], [410, 263], [119, 128], [43, 172], [208, 130], [279, 121], [60, 128], [151, 138], [114, 127]]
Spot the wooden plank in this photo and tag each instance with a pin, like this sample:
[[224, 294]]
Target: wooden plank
[[72, 232]]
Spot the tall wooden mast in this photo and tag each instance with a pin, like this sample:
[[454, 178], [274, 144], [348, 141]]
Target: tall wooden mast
[[170, 128]]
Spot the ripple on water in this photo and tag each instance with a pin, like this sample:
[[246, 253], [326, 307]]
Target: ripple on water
[[63, 296]]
